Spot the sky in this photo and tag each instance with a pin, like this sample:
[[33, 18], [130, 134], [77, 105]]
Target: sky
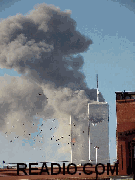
[[111, 54]]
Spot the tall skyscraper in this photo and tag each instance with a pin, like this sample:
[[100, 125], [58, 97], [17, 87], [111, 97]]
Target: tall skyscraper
[[90, 133], [98, 114]]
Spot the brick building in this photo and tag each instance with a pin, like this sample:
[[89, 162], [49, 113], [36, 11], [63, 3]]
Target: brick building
[[125, 133]]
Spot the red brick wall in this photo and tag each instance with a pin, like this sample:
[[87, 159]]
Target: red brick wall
[[125, 110], [125, 115]]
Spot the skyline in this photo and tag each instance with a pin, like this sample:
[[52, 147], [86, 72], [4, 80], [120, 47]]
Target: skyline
[[111, 55]]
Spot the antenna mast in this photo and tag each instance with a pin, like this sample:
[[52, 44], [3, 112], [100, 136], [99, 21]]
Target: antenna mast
[[97, 89]]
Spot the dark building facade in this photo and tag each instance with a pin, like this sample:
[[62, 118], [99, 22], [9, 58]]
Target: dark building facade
[[125, 133]]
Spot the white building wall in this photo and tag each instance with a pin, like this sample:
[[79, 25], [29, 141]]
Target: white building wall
[[99, 135], [99, 132], [79, 140]]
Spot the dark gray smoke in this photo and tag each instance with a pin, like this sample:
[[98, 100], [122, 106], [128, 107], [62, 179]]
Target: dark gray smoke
[[41, 45], [44, 47]]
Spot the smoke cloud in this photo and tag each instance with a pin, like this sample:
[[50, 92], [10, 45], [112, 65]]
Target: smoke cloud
[[44, 47]]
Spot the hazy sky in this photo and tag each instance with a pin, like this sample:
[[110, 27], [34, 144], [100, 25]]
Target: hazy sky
[[110, 26]]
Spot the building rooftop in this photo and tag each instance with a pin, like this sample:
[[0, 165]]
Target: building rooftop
[[125, 95]]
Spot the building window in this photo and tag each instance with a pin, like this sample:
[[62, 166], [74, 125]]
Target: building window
[[122, 156], [132, 96], [134, 151], [127, 97]]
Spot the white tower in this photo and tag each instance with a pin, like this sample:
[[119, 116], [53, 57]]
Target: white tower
[[98, 130], [90, 132]]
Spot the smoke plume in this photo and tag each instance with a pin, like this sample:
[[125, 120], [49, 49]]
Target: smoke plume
[[44, 47]]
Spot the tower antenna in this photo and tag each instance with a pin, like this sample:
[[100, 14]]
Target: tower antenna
[[97, 89]]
